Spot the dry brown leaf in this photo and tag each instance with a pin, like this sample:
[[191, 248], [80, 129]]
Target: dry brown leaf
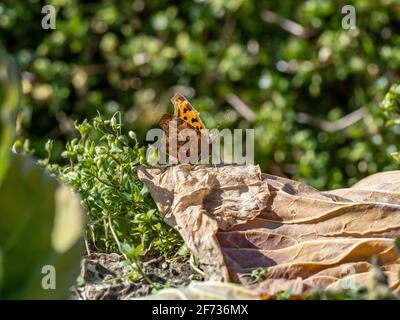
[[236, 219]]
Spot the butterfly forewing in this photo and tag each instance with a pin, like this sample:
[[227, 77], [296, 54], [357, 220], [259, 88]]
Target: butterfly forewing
[[185, 111]]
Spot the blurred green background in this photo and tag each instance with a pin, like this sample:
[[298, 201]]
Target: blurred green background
[[310, 88]]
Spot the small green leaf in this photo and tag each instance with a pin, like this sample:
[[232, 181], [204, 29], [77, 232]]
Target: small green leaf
[[124, 140], [144, 190], [285, 295], [49, 145], [396, 156], [138, 250], [116, 150], [127, 249], [132, 135]]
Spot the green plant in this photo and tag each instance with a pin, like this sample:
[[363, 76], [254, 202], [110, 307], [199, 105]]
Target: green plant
[[300, 74], [102, 167], [258, 275], [391, 107], [285, 295], [131, 255]]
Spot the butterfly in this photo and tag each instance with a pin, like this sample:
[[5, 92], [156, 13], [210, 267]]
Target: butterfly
[[184, 132]]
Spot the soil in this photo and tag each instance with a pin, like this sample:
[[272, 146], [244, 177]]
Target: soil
[[106, 277]]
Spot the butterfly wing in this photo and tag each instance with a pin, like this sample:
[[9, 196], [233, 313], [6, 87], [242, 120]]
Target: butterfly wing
[[172, 147], [170, 119], [185, 117], [185, 111]]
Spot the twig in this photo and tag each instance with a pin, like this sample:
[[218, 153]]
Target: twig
[[87, 244], [243, 109], [332, 126], [195, 268], [106, 183], [287, 25]]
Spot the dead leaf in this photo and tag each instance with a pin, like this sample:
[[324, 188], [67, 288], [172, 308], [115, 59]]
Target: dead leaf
[[236, 220]]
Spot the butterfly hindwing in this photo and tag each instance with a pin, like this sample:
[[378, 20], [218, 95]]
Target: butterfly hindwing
[[171, 124]]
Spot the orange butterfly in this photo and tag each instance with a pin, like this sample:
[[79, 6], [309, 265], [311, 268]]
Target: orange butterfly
[[181, 127]]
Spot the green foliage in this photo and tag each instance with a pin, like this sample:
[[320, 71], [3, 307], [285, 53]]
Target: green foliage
[[102, 168], [131, 255], [391, 104], [391, 107], [133, 55], [258, 275], [285, 295]]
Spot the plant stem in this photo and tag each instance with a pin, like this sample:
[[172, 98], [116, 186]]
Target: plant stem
[[137, 267]]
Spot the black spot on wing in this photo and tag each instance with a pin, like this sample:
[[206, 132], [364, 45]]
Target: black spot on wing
[[194, 120]]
